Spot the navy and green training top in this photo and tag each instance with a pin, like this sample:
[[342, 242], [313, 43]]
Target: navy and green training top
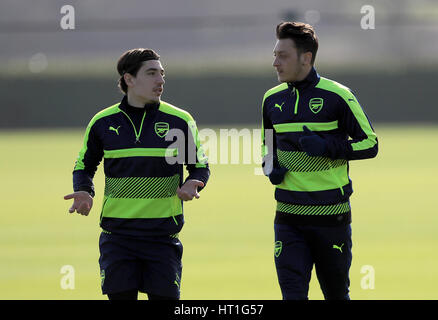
[[315, 189], [144, 150]]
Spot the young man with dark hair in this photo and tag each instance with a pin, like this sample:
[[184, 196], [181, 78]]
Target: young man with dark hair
[[316, 126], [142, 211]]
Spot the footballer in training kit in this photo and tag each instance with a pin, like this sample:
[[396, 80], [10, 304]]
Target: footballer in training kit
[[311, 128], [145, 143]]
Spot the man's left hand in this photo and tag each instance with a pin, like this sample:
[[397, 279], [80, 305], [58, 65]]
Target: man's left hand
[[313, 144], [189, 190]]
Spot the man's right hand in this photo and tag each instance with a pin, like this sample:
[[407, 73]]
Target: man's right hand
[[277, 175], [82, 202]]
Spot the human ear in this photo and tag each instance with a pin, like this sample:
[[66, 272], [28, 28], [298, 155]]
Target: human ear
[[306, 58], [129, 79]]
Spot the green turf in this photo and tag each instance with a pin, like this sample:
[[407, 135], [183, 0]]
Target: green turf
[[228, 236]]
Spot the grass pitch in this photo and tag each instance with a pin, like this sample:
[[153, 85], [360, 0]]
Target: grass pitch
[[228, 236]]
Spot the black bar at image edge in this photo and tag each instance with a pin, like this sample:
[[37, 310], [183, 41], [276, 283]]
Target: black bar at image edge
[[218, 309]]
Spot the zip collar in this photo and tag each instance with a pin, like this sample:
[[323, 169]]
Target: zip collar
[[310, 81], [148, 107]]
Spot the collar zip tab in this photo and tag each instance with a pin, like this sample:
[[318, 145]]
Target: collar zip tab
[[297, 99], [137, 134]]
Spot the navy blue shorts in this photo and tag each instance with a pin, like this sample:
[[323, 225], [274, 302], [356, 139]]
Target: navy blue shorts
[[150, 265], [299, 247]]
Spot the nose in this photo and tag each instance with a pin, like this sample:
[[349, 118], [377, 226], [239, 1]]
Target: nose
[[275, 63], [160, 80]]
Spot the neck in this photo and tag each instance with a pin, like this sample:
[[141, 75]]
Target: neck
[[138, 102], [304, 73]]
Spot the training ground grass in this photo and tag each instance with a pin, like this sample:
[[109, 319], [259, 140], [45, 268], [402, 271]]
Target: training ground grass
[[228, 236]]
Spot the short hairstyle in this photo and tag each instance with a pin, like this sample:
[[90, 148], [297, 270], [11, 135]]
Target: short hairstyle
[[302, 34], [131, 61]]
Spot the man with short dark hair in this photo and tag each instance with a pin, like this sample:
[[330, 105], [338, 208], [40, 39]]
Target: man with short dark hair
[[310, 120], [142, 211]]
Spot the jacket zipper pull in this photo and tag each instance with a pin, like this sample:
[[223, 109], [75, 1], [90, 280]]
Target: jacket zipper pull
[[297, 99], [137, 135]]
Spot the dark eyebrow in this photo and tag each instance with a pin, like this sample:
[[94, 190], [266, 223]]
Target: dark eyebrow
[[154, 69]]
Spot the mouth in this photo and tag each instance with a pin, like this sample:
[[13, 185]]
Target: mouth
[[158, 90]]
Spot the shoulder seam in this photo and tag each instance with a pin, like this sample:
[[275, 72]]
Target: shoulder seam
[[336, 88], [180, 113], [104, 113], [275, 90]]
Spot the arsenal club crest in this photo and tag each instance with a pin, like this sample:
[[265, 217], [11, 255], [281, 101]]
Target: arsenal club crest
[[315, 104], [161, 129]]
